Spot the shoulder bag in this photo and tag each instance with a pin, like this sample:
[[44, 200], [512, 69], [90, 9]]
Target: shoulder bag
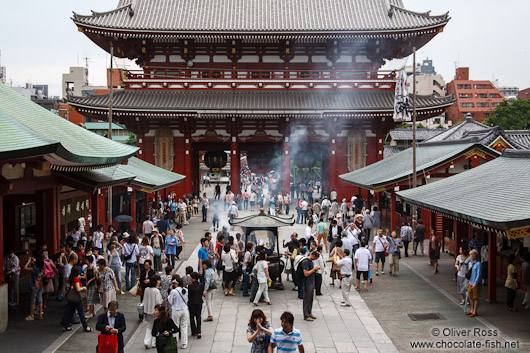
[[73, 296]]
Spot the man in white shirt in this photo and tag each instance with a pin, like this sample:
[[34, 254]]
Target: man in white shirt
[[303, 206], [309, 231], [353, 236], [345, 263], [147, 227], [97, 238], [346, 242], [362, 263], [333, 195], [380, 245]]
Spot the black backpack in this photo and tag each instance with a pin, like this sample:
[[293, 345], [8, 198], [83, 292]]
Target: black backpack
[[300, 269], [251, 263]]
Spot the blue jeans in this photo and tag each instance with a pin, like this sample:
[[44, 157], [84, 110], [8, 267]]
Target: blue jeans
[[246, 280], [69, 314], [130, 275], [301, 289]]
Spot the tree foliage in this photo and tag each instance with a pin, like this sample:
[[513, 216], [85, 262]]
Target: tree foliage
[[513, 115], [132, 141]]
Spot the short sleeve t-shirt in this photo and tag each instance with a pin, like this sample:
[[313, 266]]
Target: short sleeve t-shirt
[[363, 256], [203, 255], [260, 342], [380, 243], [262, 276], [308, 265], [286, 342]]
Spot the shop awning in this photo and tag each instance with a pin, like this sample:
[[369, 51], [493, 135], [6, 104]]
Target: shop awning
[[495, 194]]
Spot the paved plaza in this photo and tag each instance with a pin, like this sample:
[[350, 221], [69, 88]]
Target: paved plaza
[[378, 320]]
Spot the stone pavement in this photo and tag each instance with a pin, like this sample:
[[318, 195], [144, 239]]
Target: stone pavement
[[416, 290], [337, 329]]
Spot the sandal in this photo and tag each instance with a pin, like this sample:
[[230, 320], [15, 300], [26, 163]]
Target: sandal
[[87, 329], [67, 329]]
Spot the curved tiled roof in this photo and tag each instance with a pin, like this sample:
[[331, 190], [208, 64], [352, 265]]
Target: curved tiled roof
[[255, 16], [398, 167], [503, 181], [294, 101], [28, 130]]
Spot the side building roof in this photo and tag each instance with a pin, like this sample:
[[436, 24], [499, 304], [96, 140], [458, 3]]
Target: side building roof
[[28, 130], [136, 172], [503, 181], [398, 167], [232, 101], [260, 16]]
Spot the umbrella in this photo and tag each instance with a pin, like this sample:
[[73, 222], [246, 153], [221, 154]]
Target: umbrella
[[123, 218]]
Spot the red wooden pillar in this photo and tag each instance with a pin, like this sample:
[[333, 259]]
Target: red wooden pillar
[[133, 208], [2, 250], [458, 237], [188, 182], [492, 265], [393, 215], [332, 165], [53, 219], [286, 166], [94, 207], [235, 174]]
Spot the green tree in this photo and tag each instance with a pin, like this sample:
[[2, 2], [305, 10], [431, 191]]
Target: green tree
[[513, 115], [403, 126], [420, 126], [132, 140]]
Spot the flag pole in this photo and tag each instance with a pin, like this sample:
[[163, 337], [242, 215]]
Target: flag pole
[[109, 135], [414, 177]]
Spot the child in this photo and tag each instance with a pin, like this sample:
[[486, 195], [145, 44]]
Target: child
[[92, 291], [37, 282]]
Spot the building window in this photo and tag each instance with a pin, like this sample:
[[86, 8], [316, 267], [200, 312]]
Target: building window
[[487, 115], [496, 104], [483, 95], [482, 86], [467, 105], [494, 95], [467, 86], [459, 86], [482, 105], [464, 95], [464, 115]]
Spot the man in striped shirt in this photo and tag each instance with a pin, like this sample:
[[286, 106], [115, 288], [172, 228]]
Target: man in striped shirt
[[287, 338]]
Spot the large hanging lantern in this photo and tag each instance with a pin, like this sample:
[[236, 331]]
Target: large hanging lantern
[[215, 160], [305, 160]]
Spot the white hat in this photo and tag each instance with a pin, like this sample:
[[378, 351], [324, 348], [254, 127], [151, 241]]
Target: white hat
[[125, 234]]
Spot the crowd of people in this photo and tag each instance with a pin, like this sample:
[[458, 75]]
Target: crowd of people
[[341, 239]]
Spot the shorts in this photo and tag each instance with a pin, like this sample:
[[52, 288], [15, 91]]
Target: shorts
[[252, 203], [432, 254], [380, 256], [229, 276], [364, 273], [473, 293], [36, 296]]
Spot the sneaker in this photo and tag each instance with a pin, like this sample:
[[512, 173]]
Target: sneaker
[[382, 272], [357, 288], [184, 346], [308, 319], [122, 292], [345, 304], [377, 273], [462, 302], [29, 318]]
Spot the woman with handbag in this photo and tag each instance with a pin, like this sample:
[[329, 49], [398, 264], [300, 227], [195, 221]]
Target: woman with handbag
[[157, 244], [152, 297], [108, 286], [74, 302], [335, 269], [163, 330], [209, 287], [229, 273], [511, 283], [115, 264]]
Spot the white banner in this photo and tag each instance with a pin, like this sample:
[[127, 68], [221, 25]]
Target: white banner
[[401, 98]]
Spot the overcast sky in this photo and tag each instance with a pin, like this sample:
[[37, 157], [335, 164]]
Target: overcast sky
[[39, 41]]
